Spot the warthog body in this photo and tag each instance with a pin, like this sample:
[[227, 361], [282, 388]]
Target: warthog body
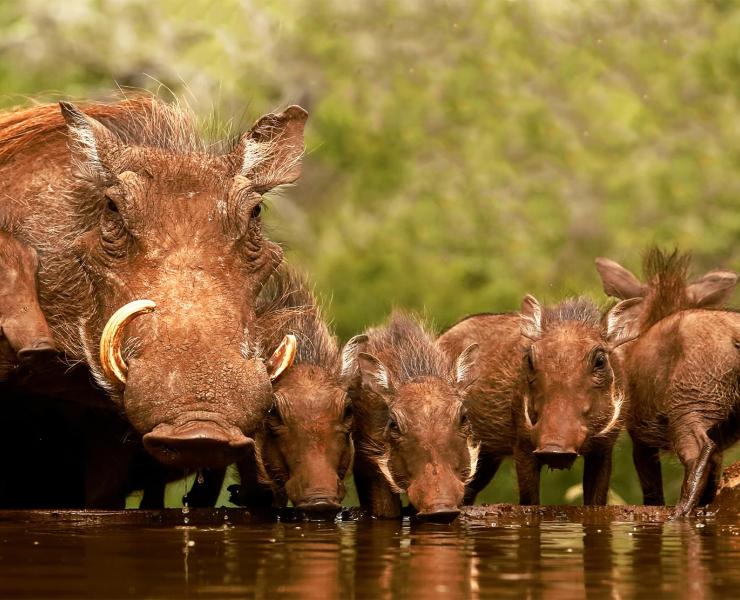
[[489, 397], [682, 373], [127, 206], [545, 393], [304, 449], [411, 429], [24, 332]]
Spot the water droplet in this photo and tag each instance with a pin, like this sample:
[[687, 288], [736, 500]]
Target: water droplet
[[191, 543], [186, 520], [185, 509], [200, 479]]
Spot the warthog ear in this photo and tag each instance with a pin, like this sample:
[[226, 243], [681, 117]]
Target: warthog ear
[[270, 153], [622, 322], [531, 318], [89, 140], [465, 371], [349, 355], [713, 289], [618, 282], [374, 373], [283, 357]]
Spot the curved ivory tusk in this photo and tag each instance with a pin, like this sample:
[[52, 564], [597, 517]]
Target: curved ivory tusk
[[111, 361], [283, 357]]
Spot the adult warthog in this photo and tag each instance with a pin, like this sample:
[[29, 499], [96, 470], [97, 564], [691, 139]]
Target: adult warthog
[[151, 255]]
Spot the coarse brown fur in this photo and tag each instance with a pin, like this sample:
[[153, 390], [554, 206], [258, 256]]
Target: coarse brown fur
[[411, 429], [682, 374], [125, 201]]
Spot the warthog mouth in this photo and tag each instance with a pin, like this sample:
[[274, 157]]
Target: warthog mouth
[[196, 444]]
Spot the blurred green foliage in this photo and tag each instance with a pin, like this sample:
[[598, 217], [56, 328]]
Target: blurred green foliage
[[460, 153]]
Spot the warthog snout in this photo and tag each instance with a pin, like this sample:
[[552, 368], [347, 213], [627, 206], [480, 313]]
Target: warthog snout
[[556, 456], [437, 494], [196, 444], [315, 487], [441, 514], [329, 503], [37, 352]]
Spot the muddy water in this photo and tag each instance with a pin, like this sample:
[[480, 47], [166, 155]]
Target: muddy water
[[224, 554]]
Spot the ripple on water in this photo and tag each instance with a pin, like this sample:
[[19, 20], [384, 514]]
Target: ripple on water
[[370, 559]]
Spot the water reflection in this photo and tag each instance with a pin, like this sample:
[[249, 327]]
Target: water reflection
[[531, 559]]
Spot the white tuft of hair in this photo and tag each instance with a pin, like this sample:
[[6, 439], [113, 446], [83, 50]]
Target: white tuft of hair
[[384, 467], [527, 420], [617, 402], [474, 453]]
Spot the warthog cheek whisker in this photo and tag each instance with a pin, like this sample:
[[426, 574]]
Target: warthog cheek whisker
[[617, 402], [474, 453], [384, 467], [527, 420]]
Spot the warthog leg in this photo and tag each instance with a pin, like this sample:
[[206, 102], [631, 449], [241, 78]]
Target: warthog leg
[[374, 491], [647, 464], [597, 471], [527, 474], [715, 473], [488, 464], [697, 472]]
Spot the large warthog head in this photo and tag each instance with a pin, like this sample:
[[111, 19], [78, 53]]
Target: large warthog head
[[174, 255], [570, 395]]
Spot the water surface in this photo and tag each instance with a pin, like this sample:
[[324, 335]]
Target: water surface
[[106, 556]]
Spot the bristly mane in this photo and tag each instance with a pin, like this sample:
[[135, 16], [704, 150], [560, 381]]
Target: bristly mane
[[139, 120], [285, 306], [411, 346], [666, 276], [581, 310]]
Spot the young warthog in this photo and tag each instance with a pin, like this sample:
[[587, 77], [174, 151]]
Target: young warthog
[[151, 257], [545, 392], [411, 429], [682, 374], [24, 333], [304, 449]]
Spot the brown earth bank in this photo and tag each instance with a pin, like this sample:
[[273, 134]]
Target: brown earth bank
[[488, 514]]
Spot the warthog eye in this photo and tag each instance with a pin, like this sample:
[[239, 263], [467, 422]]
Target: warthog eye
[[464, 420], [348, 413], [273, 417], [599, 361], [393, 428], [111, 206], [257, 211]]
